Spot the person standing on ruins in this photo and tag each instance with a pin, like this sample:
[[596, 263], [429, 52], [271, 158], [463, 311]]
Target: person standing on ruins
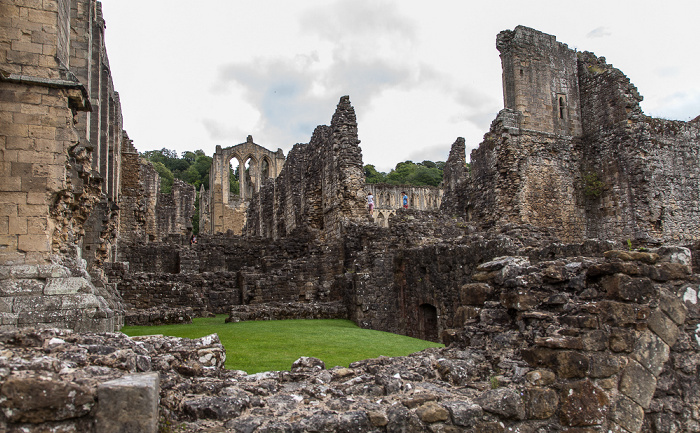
[[405, 200], [370, 203]]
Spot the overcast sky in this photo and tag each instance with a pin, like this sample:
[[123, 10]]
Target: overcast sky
[[194, 75]]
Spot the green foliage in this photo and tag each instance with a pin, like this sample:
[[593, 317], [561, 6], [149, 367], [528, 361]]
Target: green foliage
[[629, 244], [493, 381], [166, 177], [374, 176], [192, 167], [408, 173], [276, 344], [233, 181], [593, 187]]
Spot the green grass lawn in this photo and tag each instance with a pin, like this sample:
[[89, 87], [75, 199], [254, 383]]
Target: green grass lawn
[[275, 344]]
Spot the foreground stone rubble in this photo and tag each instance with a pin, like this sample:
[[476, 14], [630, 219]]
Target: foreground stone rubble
[[593, 343]]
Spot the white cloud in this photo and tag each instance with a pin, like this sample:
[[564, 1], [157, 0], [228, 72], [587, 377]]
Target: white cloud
[[599, 32]]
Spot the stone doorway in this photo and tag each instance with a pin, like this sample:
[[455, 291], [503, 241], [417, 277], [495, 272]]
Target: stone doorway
[[428, 322]]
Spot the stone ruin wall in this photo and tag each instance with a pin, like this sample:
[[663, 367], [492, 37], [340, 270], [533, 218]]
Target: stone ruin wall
[[596, 167], [545, 336], [220, 209], [389, 198], [320, 186], [648, 171], [59, 153]]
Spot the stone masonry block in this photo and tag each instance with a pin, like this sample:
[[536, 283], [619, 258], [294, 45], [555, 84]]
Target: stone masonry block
[[53, 271], [66, 286], [42, 17], [17, 225], [6, 304], [128, 404], [80, 302], [638, 384], [10, 183], [628, 414], [24, 287], [33, 243], [37, 226], [34, 304], [664, 327], [672, 306], [651, 352], [626, 288], [33, 210], [8, 319], [24, 271]]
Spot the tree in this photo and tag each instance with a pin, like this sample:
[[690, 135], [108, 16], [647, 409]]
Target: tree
[[373, 176], [408, 173], [166, 177]]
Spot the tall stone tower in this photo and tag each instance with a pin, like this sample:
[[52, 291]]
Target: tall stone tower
[[540, 81]]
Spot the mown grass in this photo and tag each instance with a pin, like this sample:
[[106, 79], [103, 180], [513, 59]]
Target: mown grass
[[275, 344]]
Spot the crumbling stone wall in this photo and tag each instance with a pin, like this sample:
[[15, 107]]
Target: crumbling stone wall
[[455, 175], [389, 198], [320, 186], [222, 271], [146, 214], [224, 211], [593, 167], [540, 81], [547, 337], [49, 192], [646, 170]]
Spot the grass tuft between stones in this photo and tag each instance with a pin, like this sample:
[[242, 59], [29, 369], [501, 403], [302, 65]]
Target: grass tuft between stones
[[275, 344]]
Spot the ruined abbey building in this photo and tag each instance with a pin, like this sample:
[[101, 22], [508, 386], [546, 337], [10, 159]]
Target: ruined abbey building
[[551, 326], [573, 151]]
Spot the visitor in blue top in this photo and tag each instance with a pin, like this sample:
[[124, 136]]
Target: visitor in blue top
[[405, 200]]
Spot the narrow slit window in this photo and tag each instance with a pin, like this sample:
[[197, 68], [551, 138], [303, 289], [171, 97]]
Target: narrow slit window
[[561, 107]]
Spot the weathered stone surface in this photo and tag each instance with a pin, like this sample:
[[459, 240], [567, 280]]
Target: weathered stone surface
[[540, 403], [431, 412], [504, 402], [308, 363], [583, 404], [626, 288], [651, 352], [475, 293], [66, 286], [604, 365], [37, 398], [628, 414], [664, 327], [672, 306], [129, 403], [638, 384], [464, 413], [541, 377]]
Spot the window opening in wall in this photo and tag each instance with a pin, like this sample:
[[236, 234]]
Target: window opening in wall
[[250, 188], [561, 107], [265, 169], [234, 177], [521, 72]]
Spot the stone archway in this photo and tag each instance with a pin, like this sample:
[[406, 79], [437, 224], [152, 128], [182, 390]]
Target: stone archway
[[227, 211]]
